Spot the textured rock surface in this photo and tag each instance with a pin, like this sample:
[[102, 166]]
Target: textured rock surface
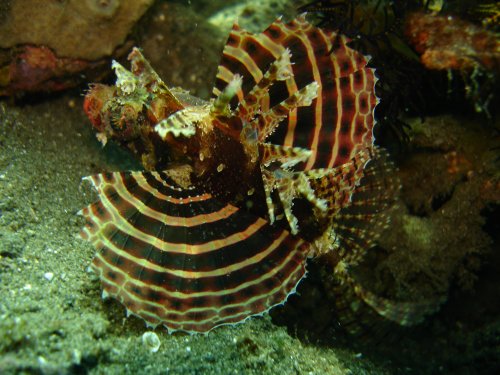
[[449, 181], [87, 29]]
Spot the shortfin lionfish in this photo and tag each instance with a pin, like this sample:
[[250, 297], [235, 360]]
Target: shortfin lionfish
[[238, 191]]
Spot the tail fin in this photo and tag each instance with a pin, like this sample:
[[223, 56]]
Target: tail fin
[[356, 228], [372, 318]]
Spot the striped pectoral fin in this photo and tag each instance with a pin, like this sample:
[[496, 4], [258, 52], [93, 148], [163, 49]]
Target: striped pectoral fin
[[276, 162], [267, 122], [336, 185], [257, 99], [341, 117], [181, 258]]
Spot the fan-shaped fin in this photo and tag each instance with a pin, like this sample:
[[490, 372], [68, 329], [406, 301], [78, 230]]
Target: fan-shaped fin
[[338, 120], [359, 205], [251, 105], [336, 185], [181, 258], [360, 223]]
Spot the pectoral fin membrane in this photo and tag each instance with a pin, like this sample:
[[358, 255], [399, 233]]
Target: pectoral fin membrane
[[181, 258]]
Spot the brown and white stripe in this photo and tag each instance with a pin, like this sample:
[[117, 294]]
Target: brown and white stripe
[[340, 120], [181, 258]]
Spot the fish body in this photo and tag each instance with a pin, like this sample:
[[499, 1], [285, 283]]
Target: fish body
[[240, 190]]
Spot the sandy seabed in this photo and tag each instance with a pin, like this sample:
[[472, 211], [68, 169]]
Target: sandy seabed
[[52, 317]]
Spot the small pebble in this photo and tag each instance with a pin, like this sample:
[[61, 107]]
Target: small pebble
[[151, 341], [48, 276]]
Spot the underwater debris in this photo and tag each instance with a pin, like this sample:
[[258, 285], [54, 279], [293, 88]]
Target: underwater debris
[[191, 245]]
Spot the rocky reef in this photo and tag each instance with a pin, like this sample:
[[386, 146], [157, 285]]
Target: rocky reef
[[48, 46], [89, 29]]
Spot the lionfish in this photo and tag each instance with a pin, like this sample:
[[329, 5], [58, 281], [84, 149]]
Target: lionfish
[[238, 191]]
